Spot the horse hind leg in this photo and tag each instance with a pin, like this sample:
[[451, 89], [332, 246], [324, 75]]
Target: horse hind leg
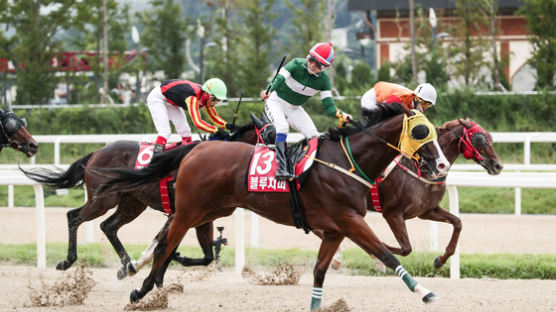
[[74, 220], [359, 232], [205, 238], [148, 254], [164, 249], [128, 210]]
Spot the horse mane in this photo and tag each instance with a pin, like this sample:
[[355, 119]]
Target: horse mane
[[451, 124], [369, 118], [242, 129]]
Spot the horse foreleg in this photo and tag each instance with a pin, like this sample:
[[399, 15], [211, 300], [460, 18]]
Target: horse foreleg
[[204, 236], [328, 247], [337, 259], [440, 215], [397, 225], [360, 233]]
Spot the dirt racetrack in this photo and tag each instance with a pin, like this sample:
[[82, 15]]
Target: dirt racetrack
[[227, 291]]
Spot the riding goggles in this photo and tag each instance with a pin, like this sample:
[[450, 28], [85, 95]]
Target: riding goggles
[[424, 104], [317, 63]]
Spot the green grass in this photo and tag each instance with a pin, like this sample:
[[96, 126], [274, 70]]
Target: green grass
[[357, 262]]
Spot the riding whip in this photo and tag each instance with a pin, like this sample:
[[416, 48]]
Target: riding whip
[[237, 108], [277, 71]]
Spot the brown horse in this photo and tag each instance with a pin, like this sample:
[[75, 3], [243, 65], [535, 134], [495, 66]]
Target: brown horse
[[211, 184], [404, 196], [14, 134], [130, 204]]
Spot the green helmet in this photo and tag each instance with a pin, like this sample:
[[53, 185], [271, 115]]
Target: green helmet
[[216, 87]]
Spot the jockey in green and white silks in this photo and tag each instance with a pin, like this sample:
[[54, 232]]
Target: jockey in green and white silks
[[294, 85]]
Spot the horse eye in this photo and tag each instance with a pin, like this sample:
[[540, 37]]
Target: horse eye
[[419, 132]]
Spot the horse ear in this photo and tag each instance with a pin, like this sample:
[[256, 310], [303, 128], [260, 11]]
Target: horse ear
[[265, 119], [465, 123], [258, 123]]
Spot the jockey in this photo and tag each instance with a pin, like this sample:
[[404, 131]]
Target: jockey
[[423, 97], [295, 83], [166, 103]]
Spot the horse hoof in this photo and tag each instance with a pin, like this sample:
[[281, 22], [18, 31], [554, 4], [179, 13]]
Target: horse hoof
[[430, 298], [336, 264], [134, 296], [131, 269], [63, 265], [437, 263], [122, 273]]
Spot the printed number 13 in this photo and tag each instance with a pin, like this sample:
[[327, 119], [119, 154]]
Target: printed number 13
[[266, 159]]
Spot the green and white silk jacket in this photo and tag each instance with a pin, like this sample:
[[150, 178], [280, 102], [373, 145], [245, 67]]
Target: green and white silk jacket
[[295, 85]]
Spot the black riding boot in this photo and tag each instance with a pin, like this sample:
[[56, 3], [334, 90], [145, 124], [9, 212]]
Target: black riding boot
[[283, 172], [158, 148]]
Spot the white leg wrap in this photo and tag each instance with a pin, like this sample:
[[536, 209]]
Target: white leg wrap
[[146, 256], [421, 290]]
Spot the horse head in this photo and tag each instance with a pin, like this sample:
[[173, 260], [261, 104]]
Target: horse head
[[476, 143], [419, 139], [14, 134], [266, 132]]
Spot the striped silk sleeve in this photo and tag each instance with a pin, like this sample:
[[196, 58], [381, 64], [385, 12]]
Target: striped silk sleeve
[[215, 118], [193, 108]]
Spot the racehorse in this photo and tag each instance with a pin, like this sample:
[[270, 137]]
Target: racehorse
[[130, 204], [14, 134], [211, 184], [406, 192]]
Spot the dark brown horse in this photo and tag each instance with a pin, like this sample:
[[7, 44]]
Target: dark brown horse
[[130, 204], [14, 134], [404, 196], [211, 184]]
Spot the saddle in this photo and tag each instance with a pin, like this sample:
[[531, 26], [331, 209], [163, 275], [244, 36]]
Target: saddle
[[262, 168]]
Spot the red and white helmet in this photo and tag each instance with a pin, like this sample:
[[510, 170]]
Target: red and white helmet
[[323, 52]]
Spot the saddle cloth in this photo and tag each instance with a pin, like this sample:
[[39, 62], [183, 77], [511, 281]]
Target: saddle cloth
[[144, 158], [262, 167]]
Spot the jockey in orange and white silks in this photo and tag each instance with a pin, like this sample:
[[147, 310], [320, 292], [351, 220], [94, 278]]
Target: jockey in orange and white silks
[[423, 97], [295, 83], [166, 103]]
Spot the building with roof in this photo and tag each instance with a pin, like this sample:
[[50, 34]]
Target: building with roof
[[389, 25]]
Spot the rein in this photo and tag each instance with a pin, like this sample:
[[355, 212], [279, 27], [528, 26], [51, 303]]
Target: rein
[[417, 175]]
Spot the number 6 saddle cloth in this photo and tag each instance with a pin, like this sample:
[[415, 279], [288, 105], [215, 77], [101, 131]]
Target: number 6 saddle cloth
[[263, 166]]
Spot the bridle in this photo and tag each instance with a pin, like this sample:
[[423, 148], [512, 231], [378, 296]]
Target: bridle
[[9, 125], [473, 139]]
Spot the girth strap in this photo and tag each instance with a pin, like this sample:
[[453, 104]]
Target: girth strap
[[297, 208]]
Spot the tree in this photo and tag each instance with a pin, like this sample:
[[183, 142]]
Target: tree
[[34, 43], [308, 21], [258, 34], [164, 35], [542, 28], [224, 59], [468, 47]]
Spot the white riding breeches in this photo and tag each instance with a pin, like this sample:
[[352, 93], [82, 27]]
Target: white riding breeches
[[162, 112], [369, 100], [283, 115]]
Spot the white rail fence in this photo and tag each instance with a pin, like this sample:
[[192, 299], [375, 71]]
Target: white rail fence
[[456, 178]]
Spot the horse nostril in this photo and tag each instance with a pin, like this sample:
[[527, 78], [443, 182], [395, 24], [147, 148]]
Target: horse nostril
[[33, 146], [441, 166], [499, 167]]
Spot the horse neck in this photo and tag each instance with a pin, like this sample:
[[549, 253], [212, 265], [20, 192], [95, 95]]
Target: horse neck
[[373, 155], [449, 143]]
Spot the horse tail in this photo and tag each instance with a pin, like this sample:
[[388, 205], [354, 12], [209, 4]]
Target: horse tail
[[72, 177], [129, 179]]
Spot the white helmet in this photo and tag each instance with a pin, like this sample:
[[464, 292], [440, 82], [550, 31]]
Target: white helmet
[[427, 92]]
